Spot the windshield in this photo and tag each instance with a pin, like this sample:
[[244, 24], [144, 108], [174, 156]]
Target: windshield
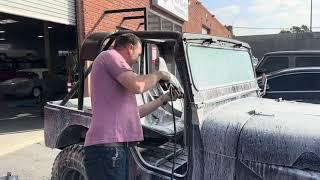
[[213, 67]]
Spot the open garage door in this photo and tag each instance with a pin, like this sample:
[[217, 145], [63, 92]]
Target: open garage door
[[58, 11]]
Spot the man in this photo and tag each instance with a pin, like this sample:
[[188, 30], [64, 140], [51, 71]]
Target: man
[[115, 123]]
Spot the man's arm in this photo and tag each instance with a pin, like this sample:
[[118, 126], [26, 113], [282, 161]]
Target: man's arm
[[141, 83], [149, 107]]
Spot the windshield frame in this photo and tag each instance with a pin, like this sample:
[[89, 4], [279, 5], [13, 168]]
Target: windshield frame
[[198, 89]]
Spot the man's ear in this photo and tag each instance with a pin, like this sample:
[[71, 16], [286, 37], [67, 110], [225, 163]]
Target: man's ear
[[130, 48]]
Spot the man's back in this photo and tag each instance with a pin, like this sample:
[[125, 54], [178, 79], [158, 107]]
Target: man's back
[[115, 116]]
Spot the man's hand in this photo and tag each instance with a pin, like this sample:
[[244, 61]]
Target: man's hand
[[162, 75], [167, 97], [149, 107], [141, 83]]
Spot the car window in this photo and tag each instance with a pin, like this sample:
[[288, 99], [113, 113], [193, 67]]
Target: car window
[[272, 64], [158, 60], [295, 82], [307, 61], [29, 75], [155, 58]]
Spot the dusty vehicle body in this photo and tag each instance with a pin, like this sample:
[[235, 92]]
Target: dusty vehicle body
[[229, 132]]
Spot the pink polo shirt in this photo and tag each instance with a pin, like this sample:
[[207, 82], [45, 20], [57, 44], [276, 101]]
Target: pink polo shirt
[[115, 114]]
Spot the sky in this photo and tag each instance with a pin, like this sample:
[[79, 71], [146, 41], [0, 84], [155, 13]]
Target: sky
[[264, 14]]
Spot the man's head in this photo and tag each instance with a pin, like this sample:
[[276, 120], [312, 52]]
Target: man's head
[[129, 46]]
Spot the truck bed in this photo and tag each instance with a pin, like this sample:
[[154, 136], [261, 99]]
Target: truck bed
[[64, 125], [73, 104]]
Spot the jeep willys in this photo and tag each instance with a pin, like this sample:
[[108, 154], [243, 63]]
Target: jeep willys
[[224, 130]]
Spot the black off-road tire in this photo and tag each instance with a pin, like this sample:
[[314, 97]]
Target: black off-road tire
[[68, 165]]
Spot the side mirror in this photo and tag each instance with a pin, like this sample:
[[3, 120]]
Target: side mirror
[[255, 61], [264, 82]]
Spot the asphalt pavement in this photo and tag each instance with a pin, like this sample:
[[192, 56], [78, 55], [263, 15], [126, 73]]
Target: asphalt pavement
[[32, 162], [22, 149]]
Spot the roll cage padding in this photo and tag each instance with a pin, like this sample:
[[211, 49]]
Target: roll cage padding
[[95, 43]]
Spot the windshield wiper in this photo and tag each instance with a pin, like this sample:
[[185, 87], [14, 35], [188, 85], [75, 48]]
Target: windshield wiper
[[209, 41], [237, 45], [204, 40]]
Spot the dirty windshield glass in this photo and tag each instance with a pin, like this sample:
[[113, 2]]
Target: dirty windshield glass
[[212, 67]]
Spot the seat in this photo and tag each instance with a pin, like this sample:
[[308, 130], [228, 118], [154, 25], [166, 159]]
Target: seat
[[159, 124]]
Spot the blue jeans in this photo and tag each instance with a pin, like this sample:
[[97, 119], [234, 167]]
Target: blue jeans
[[106, 163]]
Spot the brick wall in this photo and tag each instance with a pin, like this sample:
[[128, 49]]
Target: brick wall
[[200, 17], [92, 10]]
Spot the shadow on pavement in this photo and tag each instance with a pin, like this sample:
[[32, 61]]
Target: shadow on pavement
[[19, 115], [20, 125]]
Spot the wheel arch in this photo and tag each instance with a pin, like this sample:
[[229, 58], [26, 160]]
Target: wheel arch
[[74, 134]]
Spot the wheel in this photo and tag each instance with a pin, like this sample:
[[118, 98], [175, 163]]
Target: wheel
[[3, 57], [68, 164], [36, 92], [178, 104]]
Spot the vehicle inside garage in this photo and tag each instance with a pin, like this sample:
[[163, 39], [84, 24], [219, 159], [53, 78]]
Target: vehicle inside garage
[[37, 60]]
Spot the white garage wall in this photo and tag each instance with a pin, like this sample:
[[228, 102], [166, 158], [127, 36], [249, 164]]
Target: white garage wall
[[59, 11]]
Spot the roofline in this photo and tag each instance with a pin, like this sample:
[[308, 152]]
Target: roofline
[[293, 52], [299, 69], [214, 17]]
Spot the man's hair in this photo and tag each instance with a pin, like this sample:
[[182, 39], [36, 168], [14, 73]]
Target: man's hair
[[126, 39]]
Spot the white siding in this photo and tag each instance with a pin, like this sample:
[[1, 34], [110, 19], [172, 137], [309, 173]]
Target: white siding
[[59, 11]]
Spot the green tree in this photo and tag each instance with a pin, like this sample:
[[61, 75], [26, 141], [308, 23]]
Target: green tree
[[296, 29], [305, 28], [283, 31]]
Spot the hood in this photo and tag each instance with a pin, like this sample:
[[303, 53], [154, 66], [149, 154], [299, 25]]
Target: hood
[[266, 131]]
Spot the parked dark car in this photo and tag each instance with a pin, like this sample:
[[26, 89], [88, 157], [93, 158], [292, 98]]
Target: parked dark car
[[275, 61], [32, 82], [296, 84]]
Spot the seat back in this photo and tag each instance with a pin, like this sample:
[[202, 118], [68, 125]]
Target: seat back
[[160, 122]]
